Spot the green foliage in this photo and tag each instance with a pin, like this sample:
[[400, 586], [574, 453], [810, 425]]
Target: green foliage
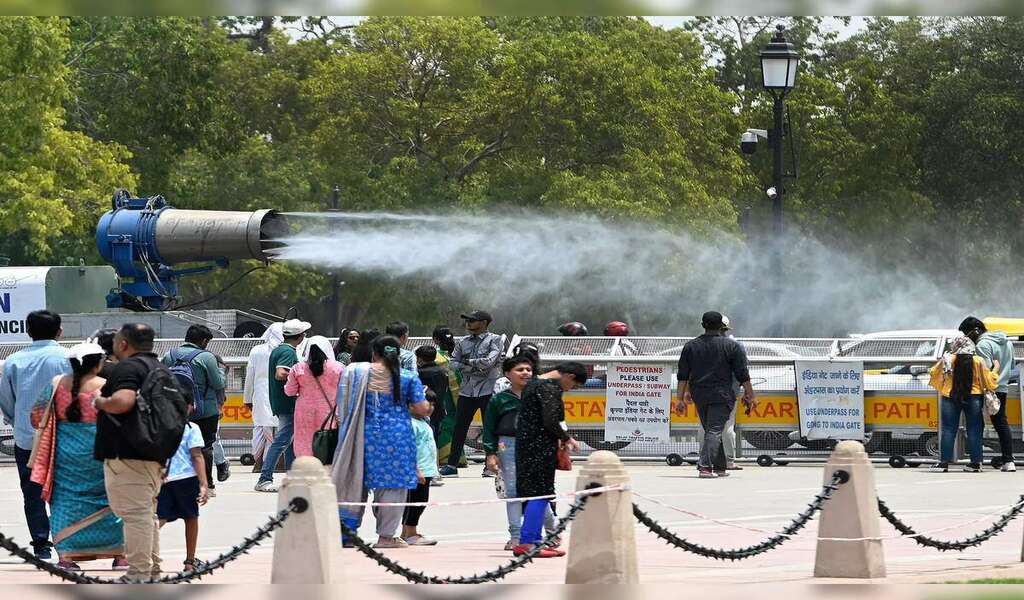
[[54, 183], [912, 122]]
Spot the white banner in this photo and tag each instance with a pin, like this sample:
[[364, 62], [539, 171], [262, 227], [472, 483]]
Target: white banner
[[637, 403], [830, 396], [22, 290]]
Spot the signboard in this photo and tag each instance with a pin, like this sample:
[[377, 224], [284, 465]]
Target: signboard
[[22, 290], [637, 406], [830, 399]]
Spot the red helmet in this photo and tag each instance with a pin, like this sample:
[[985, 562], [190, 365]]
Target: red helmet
[[573, 328], [616, 329]]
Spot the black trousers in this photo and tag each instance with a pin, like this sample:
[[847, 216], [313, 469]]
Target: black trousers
[[713, 418], [412, 514], [464, 411], [208, 429], [35, 508], [1002, 427]]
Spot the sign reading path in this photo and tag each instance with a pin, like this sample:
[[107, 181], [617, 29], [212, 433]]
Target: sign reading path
[[637, 405], [830, 396]]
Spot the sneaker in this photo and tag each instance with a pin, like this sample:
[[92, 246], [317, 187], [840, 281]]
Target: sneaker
[[436, 482], [449, 471], [68, 565], [120, 564], [1008, 467], [211, 493], [721, 474], [705, 474], [972, 468], [265, 486], [348, 544], [521, 549], [511, 545], [394, 542], [223, 471], [419, 540], [940, 467]]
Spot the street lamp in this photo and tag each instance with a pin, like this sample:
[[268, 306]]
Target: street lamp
[[779, 62]]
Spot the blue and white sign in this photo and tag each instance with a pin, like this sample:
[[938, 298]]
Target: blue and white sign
[[830, 396], [22, 290]]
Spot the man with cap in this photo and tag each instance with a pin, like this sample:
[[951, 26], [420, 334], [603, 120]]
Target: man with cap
[[994, 347], [281, 404], [708, 365], [478, 357], [729, 433]]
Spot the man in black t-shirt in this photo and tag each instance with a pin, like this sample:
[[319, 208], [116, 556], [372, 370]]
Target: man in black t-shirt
[[132, 482], [708, 365]]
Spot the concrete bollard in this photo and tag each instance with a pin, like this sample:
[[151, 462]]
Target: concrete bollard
[[602, 547], [852, 512], [306, 546]]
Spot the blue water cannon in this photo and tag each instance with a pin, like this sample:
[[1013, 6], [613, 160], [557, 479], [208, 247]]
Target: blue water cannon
[[143, 238]]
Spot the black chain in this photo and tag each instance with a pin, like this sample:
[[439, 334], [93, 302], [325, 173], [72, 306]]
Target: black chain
[[489, 576], [801, 520], [297, 505], [958, 545]]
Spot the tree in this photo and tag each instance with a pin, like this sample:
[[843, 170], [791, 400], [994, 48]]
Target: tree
[[53, 182]]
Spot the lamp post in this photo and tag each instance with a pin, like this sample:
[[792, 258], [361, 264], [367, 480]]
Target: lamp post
[[336, 282], [779, 62]]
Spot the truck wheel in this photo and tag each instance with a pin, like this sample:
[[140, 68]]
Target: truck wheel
[[768, 440], [928, 444], [249, 329]]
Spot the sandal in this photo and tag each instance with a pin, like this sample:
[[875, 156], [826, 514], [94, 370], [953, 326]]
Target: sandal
[[193, 564]]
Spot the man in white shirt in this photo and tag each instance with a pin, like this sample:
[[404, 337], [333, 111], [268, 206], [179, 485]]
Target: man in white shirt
[[256, 393]]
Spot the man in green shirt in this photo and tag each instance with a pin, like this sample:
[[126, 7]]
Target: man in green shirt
[[209, 382], [282, 405]]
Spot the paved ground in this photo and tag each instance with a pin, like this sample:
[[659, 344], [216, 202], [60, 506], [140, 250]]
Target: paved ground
[[763, 498]]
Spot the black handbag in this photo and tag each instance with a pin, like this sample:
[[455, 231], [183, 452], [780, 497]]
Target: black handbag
[[325, 439]]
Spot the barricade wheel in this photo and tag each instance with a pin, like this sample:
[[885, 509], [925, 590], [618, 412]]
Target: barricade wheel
[[897, 461], [781, 463], [764, 461], [692, 458], [674, 460], [247, 460]]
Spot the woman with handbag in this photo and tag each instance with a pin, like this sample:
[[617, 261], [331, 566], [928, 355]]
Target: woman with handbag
[[314, 383], [541, 435], [963, 379]]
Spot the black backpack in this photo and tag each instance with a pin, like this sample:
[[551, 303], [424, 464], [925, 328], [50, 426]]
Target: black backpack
[[155, 427]]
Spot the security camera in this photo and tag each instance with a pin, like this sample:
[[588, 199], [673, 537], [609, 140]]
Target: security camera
[[748, 142], [772, 193]]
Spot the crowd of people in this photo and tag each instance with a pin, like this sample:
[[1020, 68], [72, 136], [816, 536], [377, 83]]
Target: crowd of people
[[403, 416]]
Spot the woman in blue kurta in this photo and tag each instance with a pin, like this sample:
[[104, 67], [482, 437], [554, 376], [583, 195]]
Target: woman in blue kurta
[[376, 449]]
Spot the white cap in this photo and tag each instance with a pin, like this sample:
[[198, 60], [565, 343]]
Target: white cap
[[80, 351], [294, 327]]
